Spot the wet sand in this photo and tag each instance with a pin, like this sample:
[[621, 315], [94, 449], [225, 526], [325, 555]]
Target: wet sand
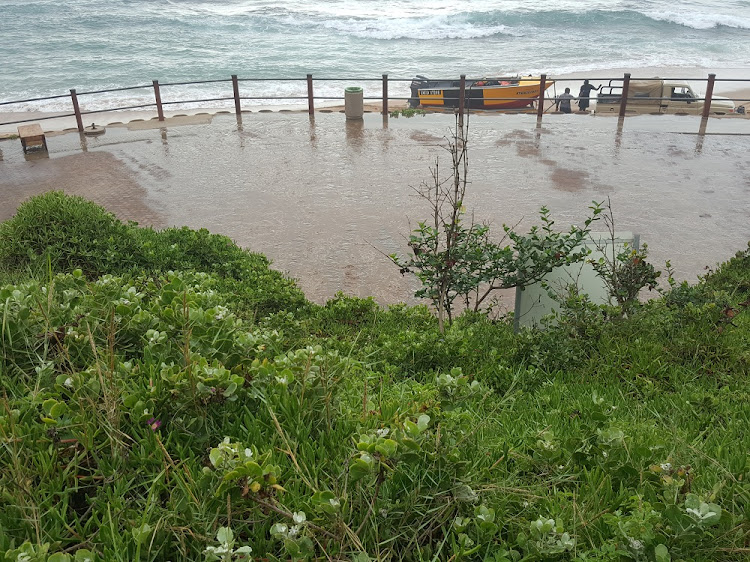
[[325, 198]]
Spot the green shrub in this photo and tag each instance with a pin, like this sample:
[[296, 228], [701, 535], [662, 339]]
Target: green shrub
[[69, 232], [732, 276], [143, 417]]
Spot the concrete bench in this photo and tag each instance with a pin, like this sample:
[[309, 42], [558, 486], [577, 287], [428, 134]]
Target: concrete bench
[[32, 135]]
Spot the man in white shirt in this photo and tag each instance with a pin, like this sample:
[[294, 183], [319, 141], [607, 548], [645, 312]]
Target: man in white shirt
[[562, 103]]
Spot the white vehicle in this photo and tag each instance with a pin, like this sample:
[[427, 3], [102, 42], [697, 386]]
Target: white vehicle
[[656, 96]]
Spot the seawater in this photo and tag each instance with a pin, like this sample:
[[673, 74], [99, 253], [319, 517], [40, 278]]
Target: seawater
[[50, 46]]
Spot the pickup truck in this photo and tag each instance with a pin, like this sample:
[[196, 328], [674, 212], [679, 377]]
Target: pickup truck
[[657, 96]]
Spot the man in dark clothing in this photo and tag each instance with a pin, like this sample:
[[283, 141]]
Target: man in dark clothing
[[583, 95], [562, 102]]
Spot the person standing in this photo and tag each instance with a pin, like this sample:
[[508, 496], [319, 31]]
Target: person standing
[[562, 103], [583, 95]]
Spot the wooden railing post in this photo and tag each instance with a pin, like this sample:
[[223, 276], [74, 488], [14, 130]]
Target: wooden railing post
[[709, 95], [236, 90], [157, 95], [76, 110], [462, 95], [310, 99], [542, 89], [385, 94], [625, 89]]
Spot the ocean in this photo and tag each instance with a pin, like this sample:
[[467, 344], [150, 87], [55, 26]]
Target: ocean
[[48, 47]]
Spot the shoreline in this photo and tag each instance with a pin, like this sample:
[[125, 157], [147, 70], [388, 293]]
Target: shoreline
[[736, 88]]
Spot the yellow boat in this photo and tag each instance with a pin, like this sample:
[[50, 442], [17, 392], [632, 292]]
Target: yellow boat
[[513, 92]]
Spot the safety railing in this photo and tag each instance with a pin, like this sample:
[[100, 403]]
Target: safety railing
[[461, 100]]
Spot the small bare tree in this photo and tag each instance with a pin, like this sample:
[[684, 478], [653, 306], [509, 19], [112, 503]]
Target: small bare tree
[[625, 271], [455, 257]]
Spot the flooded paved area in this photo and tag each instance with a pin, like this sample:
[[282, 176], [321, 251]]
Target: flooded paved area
[[326, 198]]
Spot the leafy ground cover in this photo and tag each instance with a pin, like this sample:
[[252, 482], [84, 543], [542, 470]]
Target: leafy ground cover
[[168, 396]]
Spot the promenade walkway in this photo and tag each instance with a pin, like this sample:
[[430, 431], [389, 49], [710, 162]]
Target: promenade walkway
[[322, 198]]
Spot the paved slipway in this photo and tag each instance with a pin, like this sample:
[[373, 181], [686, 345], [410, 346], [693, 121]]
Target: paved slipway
[[98, 176], [325, 198]]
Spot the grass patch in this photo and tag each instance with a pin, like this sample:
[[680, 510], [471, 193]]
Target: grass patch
[[167, 396]]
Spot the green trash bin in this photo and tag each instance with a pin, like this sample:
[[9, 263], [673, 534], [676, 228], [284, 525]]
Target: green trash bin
[[354, 102]]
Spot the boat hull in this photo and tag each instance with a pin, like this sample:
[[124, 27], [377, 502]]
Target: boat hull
[[502, 93]]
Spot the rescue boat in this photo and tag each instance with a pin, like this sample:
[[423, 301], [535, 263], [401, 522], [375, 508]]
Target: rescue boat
[[513, 92]]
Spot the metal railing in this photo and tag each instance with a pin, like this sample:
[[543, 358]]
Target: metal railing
[[459, 101]]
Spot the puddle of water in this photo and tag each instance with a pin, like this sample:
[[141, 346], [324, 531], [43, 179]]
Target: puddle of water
[[326, 198]]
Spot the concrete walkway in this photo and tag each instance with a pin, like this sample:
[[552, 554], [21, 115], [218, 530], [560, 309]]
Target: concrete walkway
[[325, 198]]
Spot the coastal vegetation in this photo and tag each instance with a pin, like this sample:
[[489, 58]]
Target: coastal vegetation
[[407, 112], [166, 395], [459, 263]]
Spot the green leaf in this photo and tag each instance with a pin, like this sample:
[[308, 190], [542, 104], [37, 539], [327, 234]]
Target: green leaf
[[225, 535], [359, 469], [215, 457], [410, 443], [464, 493], [292, 548], [84, 555], [485, 514], [411, 428], [231, 389], [662, 554], [692, 502], [387, 447], [48, 404], [306, 546], [324, 496], [142, 533], [252, 468], [58, 409]]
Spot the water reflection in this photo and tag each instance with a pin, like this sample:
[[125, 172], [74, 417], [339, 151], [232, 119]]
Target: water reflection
[[313, 133], [34, 155], [355, 132], [618, 134], [164, 140], [701, 136]]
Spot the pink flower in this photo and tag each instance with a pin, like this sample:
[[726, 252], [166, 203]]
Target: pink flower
[[154, 424]]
